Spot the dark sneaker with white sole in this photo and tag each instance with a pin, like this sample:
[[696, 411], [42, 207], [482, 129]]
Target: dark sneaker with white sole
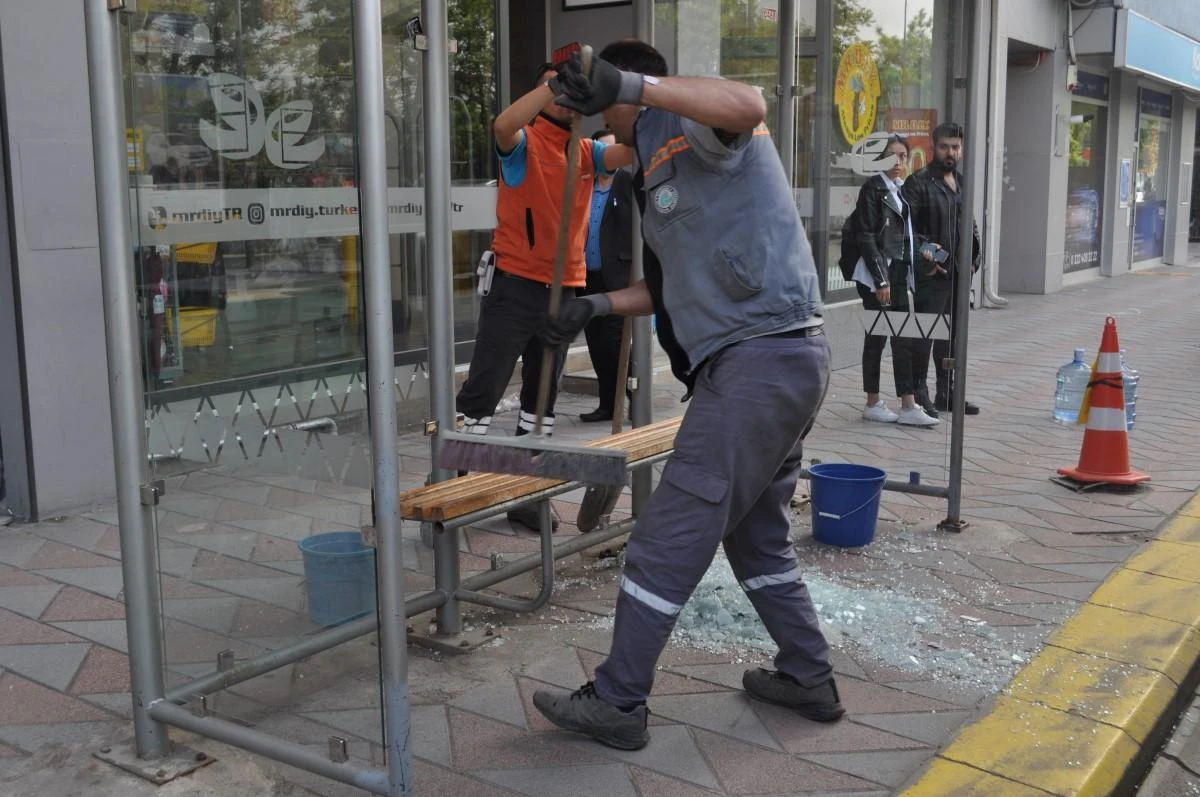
[[584, 711], [819, 703]]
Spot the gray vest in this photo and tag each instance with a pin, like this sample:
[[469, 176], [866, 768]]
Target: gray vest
[[736, 262]]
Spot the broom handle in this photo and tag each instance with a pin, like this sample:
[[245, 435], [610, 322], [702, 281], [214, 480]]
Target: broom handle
[[560, 255]]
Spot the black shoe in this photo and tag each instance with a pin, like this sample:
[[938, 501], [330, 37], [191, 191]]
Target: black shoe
[[597, 415], [584, 711], [944, 405], [527, 516], [818, 703]]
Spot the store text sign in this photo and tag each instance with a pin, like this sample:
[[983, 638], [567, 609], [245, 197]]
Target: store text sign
[[244, 214]]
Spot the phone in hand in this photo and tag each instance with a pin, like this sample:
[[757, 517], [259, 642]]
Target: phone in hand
[[941, 255]]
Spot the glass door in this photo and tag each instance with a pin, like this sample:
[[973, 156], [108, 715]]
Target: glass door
[[244, 195]]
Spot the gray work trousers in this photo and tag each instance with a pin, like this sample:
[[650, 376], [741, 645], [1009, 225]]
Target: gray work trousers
[[729, 481]]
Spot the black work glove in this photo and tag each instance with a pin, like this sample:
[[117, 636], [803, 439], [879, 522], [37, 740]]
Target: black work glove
[[604, 87], [573, 316], [568, 81]]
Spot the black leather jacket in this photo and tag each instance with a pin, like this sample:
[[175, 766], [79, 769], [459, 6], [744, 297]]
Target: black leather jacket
[[881, 229], [935, 210]]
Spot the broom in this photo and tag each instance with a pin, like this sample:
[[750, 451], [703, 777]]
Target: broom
[[534, 455]]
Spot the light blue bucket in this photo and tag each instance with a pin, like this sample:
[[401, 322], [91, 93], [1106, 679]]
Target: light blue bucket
[[339, 576], [845, 503]]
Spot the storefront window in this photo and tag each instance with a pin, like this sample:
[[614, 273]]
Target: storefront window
[[884, 82], [1150, 179], [1085, 173], [243, 169]]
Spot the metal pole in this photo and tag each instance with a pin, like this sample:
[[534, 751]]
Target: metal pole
[[976, 153], [822, 142], [381, 396], [641, 409], [439, 263], [787, 88], [372, 780], [143, 621]]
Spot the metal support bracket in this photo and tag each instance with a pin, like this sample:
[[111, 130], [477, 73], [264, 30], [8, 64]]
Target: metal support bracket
[[779, 90], [150, 492], [464, 642], [179, 762], [953, 526], [338, 753], [631, 383], [421, 42]]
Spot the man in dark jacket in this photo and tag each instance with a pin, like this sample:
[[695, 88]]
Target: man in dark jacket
[[609, 253], [935, 196]]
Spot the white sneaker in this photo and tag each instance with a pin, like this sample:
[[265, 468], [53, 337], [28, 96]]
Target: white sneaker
[[879, 412], [915, 416]]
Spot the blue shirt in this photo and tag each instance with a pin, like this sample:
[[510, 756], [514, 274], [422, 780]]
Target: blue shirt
[[599, 200]]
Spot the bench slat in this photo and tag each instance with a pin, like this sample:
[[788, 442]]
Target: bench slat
[[457, 497]]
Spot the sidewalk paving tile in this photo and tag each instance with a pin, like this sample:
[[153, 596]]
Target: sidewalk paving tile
[[652, 784], [72, 603], [29, 703], [29, 601], [930, 727], [107, 581], [480, 743], [891, 767], [499, 700], [50, 665], [18, 630], [748, 769], [606, 780], [672, 751], [727, 713], [104, 671]]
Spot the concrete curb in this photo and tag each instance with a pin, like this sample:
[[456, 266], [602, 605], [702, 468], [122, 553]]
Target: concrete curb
[[1089, 713]]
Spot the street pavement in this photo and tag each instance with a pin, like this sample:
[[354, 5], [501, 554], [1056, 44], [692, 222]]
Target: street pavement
[[927, 626]]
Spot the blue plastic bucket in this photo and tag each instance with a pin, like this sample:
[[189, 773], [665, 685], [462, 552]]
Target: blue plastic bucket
[[339, 576], [845, 503]]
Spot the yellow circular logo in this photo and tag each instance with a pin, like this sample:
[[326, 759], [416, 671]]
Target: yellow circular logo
[[856, 92]]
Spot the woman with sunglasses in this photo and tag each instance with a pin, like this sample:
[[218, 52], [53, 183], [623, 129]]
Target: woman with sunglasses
[[883, 277]]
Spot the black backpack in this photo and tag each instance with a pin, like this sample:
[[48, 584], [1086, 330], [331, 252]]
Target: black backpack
[[850, 250]]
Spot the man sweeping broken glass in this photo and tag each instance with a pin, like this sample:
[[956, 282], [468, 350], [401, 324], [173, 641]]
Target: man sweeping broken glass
[[730, 275]]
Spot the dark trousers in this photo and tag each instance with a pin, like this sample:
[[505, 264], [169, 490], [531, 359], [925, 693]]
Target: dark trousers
[[729, 481], [910, 356], [938, 296], [509, 317], [603, 337]]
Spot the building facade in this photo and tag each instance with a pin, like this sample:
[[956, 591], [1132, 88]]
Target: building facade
[[244, 202]]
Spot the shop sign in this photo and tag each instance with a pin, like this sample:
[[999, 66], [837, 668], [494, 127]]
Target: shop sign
[[917, 124], [246, 214], [1093, 87], [856, 91], [1144, 46]]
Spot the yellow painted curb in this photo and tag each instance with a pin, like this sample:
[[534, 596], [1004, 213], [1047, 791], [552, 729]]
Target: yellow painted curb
[[1074, 720], [964, 781]]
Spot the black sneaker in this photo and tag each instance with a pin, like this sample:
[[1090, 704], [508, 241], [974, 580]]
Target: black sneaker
[[527, 516], [597, 415], [944, 405], [818, 703], [584, 711]]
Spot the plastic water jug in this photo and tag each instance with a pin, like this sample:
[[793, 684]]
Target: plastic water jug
[[1129, 377], [1068, 393]]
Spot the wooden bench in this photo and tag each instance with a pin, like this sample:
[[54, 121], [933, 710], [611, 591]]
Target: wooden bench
[[445, 501]]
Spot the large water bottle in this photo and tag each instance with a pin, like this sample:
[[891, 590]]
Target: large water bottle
[[1129, 377], [1068, 393]]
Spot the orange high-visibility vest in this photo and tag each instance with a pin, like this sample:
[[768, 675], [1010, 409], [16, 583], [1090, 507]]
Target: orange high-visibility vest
[[528, 216]]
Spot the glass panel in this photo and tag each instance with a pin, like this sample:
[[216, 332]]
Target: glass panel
[[1085, 186], [242, 165], [1150, 181]]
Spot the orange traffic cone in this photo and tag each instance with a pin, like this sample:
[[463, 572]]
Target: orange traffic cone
[[1104, 458]]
